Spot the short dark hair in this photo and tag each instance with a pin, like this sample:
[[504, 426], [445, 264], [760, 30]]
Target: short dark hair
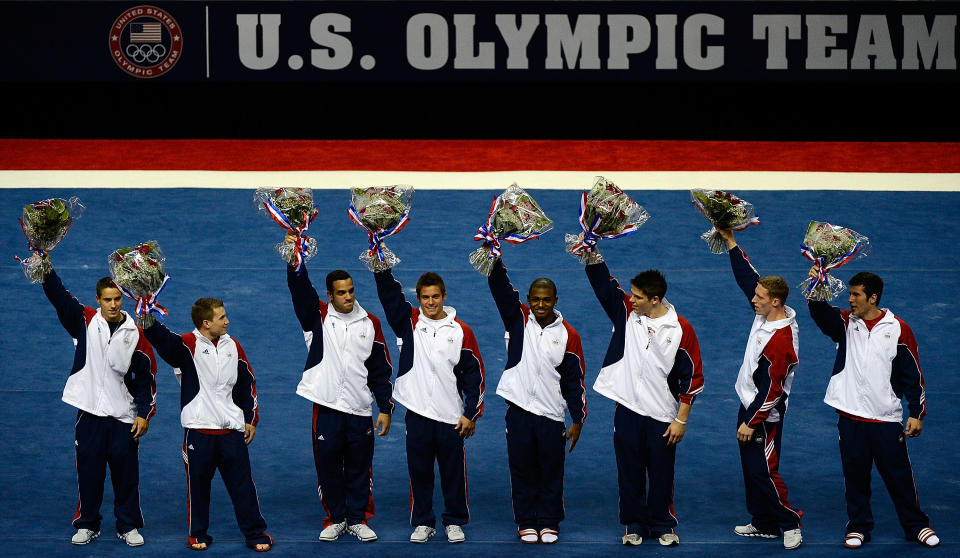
[[652, 283], [872, 284], [430, 279], [543, 283], [105, 283], [202, 309], [336, 275], [776, 286]]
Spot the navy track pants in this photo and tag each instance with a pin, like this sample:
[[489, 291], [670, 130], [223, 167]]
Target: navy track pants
[[642, 452], [429, 440], [102, 441], [343, 455], [204, 454], [861, 445], [766, 493], [535, 447]]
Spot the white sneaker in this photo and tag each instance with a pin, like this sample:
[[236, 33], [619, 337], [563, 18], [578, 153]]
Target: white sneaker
[[549, 536], [528, 536], [84, 536], [455, 534], [669, 539], [632, 539], [928, 538], [131, 537], [332, 531], [363, 532], [749, 530], [792, 539], [422, 533]]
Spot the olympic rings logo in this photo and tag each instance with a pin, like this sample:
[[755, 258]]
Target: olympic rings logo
[[146, 52]]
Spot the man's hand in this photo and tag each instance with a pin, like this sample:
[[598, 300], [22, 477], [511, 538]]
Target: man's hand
[[249, 431], [674, 433], [914, 427], [383, 424], [813, 272], [290, 238], [573, 434], [465, 427], [727, 235], [745, 433], [140, 427]]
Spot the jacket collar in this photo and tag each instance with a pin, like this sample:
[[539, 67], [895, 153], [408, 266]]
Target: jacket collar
[[128, 322], [558, 322], [771, 326], [447, 320], [201, 338], [355, 315]]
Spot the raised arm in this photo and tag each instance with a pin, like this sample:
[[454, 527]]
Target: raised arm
[[69, 310], [306, 302], [614, 300], [829, 319], [744, 273], [168, 344], [505, 296], [395, 306]]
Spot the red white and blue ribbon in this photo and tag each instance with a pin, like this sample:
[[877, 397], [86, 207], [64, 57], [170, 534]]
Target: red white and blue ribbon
[[485, 233], [755, 220], [824, 268], [300, 245], [376, 237], [590, 236], [147, 304]]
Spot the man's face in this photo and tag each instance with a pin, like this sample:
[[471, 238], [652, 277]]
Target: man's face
[[342, 296], [541, 301], [860, 304], [762, 303], [642, 304], [111, 302], [431, 301], [218, 325]]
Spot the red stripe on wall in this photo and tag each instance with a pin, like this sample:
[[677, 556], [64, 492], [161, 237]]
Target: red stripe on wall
[[477, 155]]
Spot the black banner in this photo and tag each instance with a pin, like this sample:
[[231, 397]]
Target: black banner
[[480, 42]]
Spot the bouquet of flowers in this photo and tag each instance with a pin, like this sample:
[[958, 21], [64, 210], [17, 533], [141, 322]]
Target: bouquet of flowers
[[829, 247], [605, 212], [382, 211], [725, 212], [514, 217], [138, 273], [292, 209], [45, 223]]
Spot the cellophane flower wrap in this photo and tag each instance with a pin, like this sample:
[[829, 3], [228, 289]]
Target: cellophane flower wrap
[[291, 208], [725, 211], [45, 223], [605, 212], [138, 272], [514, 217], [829, 247], [382, 211]]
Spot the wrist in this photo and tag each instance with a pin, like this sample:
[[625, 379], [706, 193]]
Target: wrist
[[678, 421]]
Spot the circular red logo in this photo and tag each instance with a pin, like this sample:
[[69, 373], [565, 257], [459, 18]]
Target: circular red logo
[[146, 41]]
